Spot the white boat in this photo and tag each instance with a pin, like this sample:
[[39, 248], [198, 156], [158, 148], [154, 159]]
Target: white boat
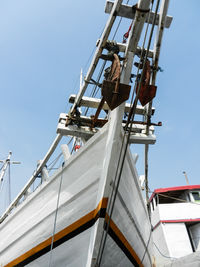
[[91, 211], [175, 217]]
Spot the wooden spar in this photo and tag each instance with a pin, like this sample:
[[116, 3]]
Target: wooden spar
[[94, 103], [157, 45], [122, 48], [126, 11], [98, 52], [33, 177], [6, 162], [137, 137], [159, 36], [113, 146]]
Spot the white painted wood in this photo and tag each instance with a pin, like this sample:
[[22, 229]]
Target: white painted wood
[[135, 157], [160, 247], [33, 177], [177, 240], [159, 36], [98, 52], [142, 179], [122, 48], [32, 221], [141, 138], [191, 260], [176, 211], [5, 165], [126, 12], [114, 140], [195, 235], [157, 47], [171, 235], [73, 130], [44, 172], [65, 151], [94, 103], [87, 133]]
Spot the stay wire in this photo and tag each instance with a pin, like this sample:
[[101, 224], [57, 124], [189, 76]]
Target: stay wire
[[54, 161], [9, 184], [95, 88], [163, 254], [146, 246], [122, 159], [133, 108], [1, 167], [94, 92], [148, 47], [55, 218]]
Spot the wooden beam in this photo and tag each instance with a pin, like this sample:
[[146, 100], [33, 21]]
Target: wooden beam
[[85, 125], [33, 177], [87, 133], [126, 11], [73, 130], [137, 135], [122, 48], [97, 54], [141, 138], [94, 103], [139, 128]]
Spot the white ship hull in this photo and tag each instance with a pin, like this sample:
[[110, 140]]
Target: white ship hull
[[26, 234], [91, 211]]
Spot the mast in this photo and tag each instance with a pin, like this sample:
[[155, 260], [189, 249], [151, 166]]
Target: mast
[[156, 54], [113, 145], [33, 177], [139, 17], [6, 164], [97, 55]]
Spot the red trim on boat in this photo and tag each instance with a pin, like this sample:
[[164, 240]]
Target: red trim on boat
[[176, 188], [176, 221]]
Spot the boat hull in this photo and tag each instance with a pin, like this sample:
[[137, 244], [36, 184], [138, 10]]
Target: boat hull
[[26, 234]]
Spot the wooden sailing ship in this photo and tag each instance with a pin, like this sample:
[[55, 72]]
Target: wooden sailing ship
[[91, 211]]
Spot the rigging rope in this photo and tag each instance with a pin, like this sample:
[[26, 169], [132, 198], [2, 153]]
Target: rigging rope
[[123, 153], [55, 218], [163, 254], [53, 163], [96, 89]]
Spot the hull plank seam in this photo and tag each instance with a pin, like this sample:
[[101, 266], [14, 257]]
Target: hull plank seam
[[73, 230]]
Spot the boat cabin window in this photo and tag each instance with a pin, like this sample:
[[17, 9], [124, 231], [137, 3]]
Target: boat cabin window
[[195, 196], [178, 196]]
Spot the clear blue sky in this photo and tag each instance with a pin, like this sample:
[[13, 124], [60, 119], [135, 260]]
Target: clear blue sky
[[43, 45]]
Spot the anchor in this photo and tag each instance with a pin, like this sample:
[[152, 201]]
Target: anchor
[[113, 92], [147, 92]]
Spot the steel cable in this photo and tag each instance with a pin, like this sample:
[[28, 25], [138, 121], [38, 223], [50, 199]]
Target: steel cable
[[122, 158], [55, 218]]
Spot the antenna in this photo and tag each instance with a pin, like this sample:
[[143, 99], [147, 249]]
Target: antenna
[[186, 178], [6, 164]]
